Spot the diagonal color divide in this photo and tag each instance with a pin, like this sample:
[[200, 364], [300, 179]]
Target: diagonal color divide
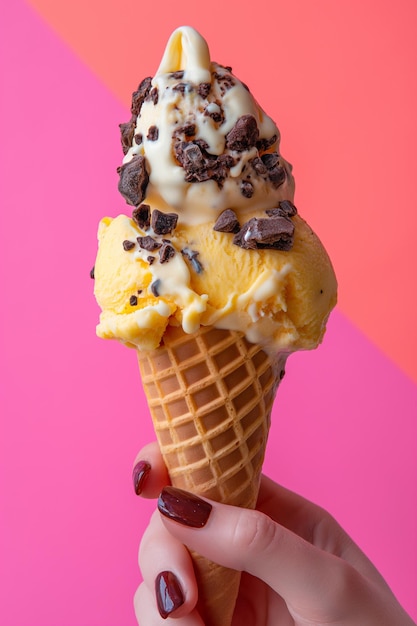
[[343, 430], [363, 110]]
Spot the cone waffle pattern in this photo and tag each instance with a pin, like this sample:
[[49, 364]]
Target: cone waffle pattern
[[210, 395]]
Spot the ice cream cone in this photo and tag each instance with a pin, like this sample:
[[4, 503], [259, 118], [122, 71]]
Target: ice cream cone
[[210, 395]]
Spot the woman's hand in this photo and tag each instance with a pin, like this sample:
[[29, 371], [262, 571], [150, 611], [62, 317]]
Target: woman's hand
[[298, 566]]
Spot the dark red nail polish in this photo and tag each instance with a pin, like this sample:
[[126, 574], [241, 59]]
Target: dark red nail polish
[[139, 475], [184, 507], [169, 595]]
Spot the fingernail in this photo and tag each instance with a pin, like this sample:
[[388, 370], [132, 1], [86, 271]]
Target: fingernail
[[168, 592], [139, 475], [184, 507]]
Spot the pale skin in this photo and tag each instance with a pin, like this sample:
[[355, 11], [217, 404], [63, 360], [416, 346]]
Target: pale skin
[[299, 567]]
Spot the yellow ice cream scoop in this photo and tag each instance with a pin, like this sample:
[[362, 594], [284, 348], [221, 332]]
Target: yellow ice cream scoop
[[197, 275]]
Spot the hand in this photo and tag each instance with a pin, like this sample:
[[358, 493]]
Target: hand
[[299, 568]]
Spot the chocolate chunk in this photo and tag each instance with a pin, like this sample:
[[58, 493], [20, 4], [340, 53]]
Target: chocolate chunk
[[259, 166], [273, 232], [277, 176], [178, 75], [243, 135], [128, 245], [215, 112], [133, 301], [285, 209], [92, 272], [138, 97], [155, 287], [275, 171], [133, 180], [270, 160], [183, 87], [138, 139], [199, 165], [204, 89], [246, 189], [142, 216], [163, 223], [192, 158], [225, 81], [166, 252], [263, 143], [192, 255], [153, 133], [188, 130], [288, 207], [148, 243], [242, 239], [150, 259], [154, 95], [127, 131], [227, 222]]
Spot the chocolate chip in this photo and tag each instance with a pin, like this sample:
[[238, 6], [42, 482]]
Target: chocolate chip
[[138, 97], [128, 245], [192, 255], [163, 223], [166, 252], [127, 131], [273, 232], [155, 287], [92, 272], [153, 133], [139, 291], [243, 135], [141, 215], [204, 89], [246, 189], [138, 139], [133, 180], [178, 75], [148, 243], [133, 301], [150, 259], [227, 222]]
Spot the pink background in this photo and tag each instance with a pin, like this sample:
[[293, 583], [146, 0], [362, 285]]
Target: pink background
[[339, 78]]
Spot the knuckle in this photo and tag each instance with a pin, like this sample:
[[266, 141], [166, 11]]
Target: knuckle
[[345, 583], [254, 533]]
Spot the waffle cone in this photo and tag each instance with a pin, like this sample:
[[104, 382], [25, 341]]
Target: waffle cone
[[210, 395]]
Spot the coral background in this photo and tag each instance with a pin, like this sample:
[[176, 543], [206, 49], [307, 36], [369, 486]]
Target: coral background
[[339, 79]]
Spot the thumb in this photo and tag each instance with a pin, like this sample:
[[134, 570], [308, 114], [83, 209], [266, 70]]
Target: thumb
[[312, 582]]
